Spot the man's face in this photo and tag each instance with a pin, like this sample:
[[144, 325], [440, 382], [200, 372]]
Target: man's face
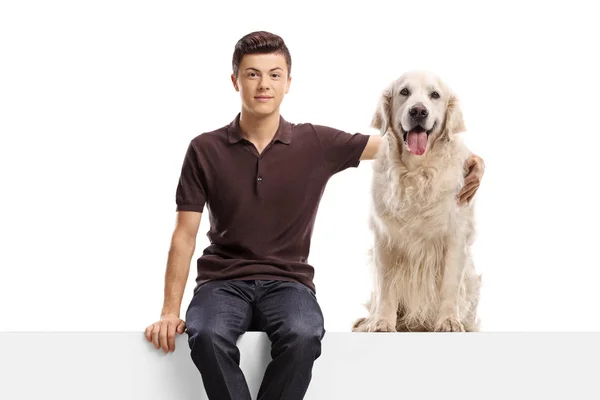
[[262, 82]]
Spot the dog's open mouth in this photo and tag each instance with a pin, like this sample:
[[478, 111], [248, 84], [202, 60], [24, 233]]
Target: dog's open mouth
[[416, 139]]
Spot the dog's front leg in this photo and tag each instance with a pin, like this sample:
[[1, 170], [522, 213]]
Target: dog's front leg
[[385, 309], [384, 299], [449, 318]]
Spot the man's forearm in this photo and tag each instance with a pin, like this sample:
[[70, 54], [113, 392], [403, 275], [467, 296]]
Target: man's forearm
[[178, 268]]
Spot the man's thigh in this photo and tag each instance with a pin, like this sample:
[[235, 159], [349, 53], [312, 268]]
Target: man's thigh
[[284, 308], [222, 308]]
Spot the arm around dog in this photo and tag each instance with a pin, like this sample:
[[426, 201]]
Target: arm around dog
[[475, 165]]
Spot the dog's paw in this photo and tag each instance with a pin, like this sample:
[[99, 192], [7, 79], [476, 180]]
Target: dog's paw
[[450, 324], [369, 325], [359, 325]]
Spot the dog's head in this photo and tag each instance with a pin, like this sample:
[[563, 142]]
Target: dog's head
[[419, 109]]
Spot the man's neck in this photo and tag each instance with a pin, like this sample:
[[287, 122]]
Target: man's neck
[[259, 130]]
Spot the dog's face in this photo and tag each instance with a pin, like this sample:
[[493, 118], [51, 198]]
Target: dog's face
[[418, 108]]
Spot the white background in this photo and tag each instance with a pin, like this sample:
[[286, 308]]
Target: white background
[[98, 101]]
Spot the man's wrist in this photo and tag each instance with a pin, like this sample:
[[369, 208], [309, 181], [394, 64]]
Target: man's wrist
[[169, 311]]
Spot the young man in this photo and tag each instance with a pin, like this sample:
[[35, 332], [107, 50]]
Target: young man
[[261, 178]]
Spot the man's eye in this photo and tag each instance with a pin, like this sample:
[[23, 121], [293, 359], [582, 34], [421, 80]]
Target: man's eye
[[404, 92], [275, 75]]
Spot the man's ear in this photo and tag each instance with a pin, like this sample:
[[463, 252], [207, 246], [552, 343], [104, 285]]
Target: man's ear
[[289, 82], [454, 122], [382, 117], [235, 84]]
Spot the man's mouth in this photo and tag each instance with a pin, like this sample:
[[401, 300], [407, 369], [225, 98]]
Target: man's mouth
[[416, 139], [263, 98]]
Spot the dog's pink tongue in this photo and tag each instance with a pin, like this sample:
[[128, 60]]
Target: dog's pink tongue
[[417, 142]]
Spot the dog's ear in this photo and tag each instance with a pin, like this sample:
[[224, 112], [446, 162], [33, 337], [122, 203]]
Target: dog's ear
[[454, 122], [382, 117]]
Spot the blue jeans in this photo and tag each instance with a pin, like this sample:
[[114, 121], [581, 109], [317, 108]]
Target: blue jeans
[[288, 312]]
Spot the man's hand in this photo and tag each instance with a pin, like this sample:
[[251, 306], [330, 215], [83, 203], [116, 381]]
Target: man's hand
[[162, 333], [476, 168]]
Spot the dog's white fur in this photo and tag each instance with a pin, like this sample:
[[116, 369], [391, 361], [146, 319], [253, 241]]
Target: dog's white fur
[[424, 277]]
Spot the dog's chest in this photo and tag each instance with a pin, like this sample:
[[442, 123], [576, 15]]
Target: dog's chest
[[422, 201]]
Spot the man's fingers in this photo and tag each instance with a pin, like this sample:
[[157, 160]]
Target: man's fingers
[[471, 161], [472, 177], [471, 196], [469, 192], [164, 330], [162, 334], [155, 333], [468, 195], [466, 189], [171, 330], [181, 327]]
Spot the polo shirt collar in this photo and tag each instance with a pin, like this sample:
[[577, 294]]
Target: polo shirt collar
[[283, 134]]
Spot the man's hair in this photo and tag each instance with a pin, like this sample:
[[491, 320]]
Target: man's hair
[[260, 42]]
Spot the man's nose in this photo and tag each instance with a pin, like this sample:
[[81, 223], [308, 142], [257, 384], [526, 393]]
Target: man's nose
[[264, 83]]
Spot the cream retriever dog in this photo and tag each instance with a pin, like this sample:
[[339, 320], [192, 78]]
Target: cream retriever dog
[[424, 277]]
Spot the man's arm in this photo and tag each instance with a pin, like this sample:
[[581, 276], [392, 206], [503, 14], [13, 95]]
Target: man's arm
[[183, 245], [475, 165], [371, 148]]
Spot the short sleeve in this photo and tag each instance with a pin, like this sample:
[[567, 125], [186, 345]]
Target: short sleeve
[[191, 189], [342, 150]]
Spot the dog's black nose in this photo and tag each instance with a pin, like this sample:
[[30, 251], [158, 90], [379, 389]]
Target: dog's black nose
[[418, 111]]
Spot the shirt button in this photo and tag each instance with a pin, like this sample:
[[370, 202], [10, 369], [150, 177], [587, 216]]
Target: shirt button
[[259, 179]]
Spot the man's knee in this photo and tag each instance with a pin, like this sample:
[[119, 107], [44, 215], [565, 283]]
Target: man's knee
[[304, 335], [202, 336], [309, 331]]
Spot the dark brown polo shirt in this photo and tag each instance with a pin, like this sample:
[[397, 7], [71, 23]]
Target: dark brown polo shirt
[[262, 208]]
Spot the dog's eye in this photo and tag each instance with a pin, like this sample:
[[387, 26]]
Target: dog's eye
[[435, 95], [404, 92]]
